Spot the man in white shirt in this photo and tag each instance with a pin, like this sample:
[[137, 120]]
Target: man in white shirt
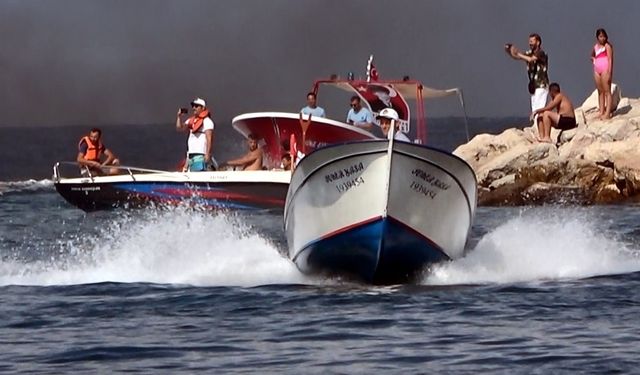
[[359, 116], [200, 142], [385, 117], [312, 107]]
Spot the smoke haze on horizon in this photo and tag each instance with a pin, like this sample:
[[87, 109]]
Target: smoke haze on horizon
[[135, 62]]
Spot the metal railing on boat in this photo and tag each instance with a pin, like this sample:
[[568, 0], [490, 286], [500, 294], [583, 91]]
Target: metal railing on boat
[[87, 173]]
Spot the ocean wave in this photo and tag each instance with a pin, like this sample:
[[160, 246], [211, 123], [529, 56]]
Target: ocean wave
[[165, 247], [548, 244], [24, 186]]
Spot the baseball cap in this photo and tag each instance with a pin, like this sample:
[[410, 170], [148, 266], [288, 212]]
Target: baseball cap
[[199, 101], [389, 113]]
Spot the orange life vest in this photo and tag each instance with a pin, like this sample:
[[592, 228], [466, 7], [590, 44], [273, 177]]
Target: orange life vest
[[195, 122], [94, 150]]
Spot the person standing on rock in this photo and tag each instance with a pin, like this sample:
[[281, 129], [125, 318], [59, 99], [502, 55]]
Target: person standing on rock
[[537, 65], [563, 118], [602, 58]]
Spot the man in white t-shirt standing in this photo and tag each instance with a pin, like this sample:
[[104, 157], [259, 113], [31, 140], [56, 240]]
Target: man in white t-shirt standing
[[312, 107], [200, 142]]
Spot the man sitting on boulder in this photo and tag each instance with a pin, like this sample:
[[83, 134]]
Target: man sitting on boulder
[[563, 118]]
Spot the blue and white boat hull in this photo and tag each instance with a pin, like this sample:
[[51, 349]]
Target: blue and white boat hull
[[220, 190], [378, 211]]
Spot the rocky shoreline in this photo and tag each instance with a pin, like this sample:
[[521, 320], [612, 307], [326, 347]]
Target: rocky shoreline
[[596, 163]]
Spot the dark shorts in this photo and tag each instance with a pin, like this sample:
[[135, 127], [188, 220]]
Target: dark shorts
[[566, 123]]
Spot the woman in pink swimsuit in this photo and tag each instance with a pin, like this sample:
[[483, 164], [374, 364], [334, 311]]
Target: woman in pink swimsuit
[[602, 57]]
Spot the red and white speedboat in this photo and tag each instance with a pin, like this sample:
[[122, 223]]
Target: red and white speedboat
[[274, 129]]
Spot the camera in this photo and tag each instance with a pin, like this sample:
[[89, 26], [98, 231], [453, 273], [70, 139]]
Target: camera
[[508, 46], [183, 110]]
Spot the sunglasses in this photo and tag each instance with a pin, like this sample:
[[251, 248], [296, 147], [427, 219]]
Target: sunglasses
[[196, 106], [354, 105]]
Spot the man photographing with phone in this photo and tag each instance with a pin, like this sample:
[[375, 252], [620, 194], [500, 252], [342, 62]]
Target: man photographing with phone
[[200, 141], [537, 65]]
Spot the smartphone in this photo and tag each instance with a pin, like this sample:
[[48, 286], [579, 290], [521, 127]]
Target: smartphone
[[183, 110]]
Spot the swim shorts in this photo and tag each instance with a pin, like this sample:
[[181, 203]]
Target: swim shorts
[[566, 123], [196, 163]]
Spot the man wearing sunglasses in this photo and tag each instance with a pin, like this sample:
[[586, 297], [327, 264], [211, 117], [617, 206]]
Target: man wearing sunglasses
[[200, 142], [359, 116]]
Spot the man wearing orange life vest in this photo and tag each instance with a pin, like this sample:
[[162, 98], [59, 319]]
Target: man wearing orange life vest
[[91, 152], [200, 142]]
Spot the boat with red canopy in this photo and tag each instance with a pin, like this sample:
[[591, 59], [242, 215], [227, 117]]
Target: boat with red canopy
[[274, 129], [380, 210]]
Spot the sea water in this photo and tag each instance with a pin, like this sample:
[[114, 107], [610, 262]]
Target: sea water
[[541, 290]]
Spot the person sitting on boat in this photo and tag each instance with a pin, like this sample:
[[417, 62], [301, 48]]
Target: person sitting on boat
[[359, 116], [91, 153], [200, 141], [385, 117], [290, 147], [312, 107], [286, 162], [252, 160]]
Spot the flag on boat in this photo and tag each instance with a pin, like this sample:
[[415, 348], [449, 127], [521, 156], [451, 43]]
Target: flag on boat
[[372, 72]]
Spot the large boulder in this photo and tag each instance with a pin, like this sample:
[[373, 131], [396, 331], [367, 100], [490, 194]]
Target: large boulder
[[598, 162], [591, 102]]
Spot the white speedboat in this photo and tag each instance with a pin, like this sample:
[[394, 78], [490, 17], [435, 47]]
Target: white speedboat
[[137, 187], [378, 211]]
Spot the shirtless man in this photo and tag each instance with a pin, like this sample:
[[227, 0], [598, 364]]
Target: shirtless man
[[252, 160], [563, 119], [286, 162]]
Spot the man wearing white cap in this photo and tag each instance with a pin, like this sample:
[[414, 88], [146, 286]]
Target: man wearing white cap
[[200, 142], [384, 118]]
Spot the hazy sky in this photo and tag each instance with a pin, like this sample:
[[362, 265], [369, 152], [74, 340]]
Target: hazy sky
[[121, 61]]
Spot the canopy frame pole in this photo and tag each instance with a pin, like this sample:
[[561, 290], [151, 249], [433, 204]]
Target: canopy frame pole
[[422, 125], [464, 111]]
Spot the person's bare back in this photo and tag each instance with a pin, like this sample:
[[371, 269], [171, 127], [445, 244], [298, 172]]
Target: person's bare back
[[252, 160], [564, 106], [255, 158], [563, 118]]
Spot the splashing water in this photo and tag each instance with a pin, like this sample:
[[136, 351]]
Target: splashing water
[[174, 247], [545, 245], [180, 246], [24, 186]]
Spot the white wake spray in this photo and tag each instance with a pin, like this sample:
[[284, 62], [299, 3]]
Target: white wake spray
[[181, 246], [166, 247], [24, 186], [542, 245]]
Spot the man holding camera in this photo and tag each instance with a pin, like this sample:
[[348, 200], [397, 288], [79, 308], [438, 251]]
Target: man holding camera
[[200, 142], [537, 65]]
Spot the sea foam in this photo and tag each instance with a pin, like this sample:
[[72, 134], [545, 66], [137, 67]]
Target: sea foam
[[167, 247], [24, 186], [546, 244]]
